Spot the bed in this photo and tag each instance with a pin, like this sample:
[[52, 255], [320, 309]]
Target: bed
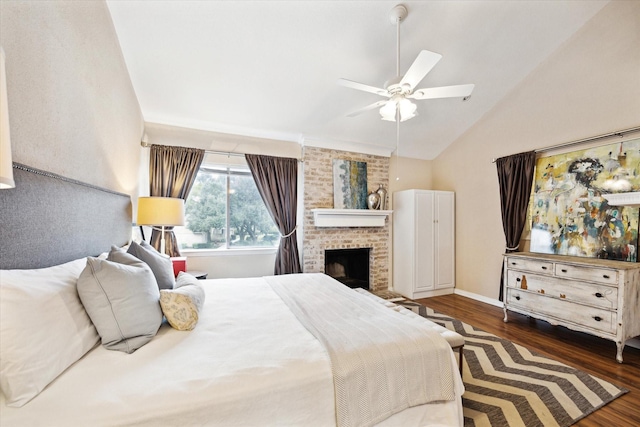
[[249, 361]]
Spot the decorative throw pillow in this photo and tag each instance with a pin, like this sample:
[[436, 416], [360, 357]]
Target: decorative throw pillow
[[44, 328], [121, 299], [121, 256], [181, 306], [160, 264]]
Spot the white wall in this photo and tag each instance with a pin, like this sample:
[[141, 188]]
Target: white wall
[[590, 86], [72, 107], [406, 174], [238, 263], [156, 133]]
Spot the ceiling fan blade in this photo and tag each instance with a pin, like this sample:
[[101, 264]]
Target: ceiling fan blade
[[364, 87], [367, 108], [425, 61], [458, 91]]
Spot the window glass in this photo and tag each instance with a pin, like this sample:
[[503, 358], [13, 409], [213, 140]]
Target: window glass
[[224, 210], [249, 222]]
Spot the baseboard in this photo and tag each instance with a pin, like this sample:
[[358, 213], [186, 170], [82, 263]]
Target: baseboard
[[633, 342], [432, 293], [478, 297]]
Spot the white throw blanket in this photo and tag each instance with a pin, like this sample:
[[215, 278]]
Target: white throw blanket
[[382, 362]]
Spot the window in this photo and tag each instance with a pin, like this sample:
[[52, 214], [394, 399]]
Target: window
[[225, 211]]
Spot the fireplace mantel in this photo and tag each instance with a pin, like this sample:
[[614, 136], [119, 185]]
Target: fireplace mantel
[[349, 217]]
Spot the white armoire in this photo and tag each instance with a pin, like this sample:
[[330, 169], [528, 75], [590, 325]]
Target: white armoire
[[423, 243]]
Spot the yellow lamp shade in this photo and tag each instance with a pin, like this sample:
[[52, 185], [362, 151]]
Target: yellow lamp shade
[[160, 211]]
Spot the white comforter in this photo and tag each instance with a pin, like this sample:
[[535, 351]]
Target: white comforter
[[248, 362], [382, 362]]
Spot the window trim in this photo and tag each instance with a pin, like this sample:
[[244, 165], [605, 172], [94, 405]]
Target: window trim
[[238, 251]]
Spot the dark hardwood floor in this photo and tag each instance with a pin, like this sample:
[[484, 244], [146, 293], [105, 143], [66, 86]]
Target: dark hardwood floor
[[590, 354]]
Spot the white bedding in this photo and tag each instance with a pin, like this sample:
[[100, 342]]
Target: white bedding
[[395, 360], [248, 362]]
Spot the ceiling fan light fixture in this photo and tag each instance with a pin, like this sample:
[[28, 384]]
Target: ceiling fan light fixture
[[407, 109], [388, 111]]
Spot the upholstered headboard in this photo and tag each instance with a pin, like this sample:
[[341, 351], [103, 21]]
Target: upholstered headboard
[[48, 219]]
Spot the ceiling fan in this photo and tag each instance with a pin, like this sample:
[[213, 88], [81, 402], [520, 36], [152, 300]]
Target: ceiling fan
[[402, 89]]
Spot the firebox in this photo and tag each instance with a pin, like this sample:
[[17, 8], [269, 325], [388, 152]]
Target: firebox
[[349, 266]]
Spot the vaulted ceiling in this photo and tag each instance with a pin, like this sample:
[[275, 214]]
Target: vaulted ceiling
[[269, 68]]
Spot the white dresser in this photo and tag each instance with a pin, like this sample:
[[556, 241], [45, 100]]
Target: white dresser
[[423, 243], [596, 296]]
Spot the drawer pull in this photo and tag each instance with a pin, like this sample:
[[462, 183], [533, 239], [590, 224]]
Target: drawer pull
[[599, 295], [563, 296], [597, 318], [606, 276], [514, 263], [541, 291], [518, 279], [544, 268], [564, 270], [518, 297]]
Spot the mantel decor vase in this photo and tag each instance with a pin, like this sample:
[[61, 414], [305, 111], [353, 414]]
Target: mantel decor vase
[[383, 197], [373, 200]]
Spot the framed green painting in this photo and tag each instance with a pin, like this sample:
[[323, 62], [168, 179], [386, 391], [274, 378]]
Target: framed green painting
[[349, 184]]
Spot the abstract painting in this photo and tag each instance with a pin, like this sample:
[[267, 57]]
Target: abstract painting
[[569, 214], [349, 184]]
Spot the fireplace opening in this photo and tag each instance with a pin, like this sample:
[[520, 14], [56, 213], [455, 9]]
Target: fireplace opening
[[349, 266]]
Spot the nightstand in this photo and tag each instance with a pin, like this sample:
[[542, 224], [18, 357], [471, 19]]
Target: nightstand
[[200, 275], [179, 264]]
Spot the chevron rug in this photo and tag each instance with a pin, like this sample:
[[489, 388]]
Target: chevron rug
[[508, 385]]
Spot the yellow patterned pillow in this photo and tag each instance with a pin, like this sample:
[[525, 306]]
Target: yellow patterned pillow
[[181, 305]]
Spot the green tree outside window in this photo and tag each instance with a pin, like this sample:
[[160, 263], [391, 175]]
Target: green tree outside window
[[248, 224]]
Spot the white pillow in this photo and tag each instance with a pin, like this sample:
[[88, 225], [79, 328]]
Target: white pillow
[[44, 328]]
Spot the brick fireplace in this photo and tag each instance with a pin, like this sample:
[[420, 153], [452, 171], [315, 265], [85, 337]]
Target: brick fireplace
[[318, 193]]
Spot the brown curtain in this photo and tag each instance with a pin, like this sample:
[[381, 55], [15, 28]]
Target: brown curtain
[[172, 171], [515, 175], [277, 182]]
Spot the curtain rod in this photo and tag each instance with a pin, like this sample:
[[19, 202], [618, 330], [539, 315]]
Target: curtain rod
[[224, 153], [620, 133]]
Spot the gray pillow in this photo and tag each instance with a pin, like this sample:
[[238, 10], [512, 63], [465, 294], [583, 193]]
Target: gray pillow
[[160, 264], [122, 300]]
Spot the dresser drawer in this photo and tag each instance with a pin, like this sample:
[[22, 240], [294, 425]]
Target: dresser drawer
[[600, 275], [602, 296], [527, 264], [566, 311]]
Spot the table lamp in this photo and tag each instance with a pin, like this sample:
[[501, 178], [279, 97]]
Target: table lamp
[[160, 212]]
